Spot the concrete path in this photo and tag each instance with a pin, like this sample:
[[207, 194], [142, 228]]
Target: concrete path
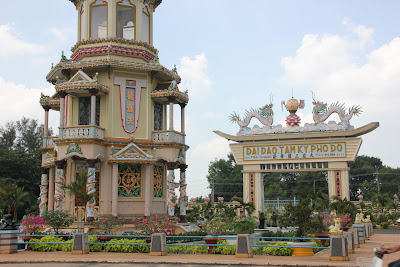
[[362, 257]]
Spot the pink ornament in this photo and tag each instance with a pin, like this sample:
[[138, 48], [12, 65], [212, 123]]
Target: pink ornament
[[206, 199], [360, 197], [221, 199]]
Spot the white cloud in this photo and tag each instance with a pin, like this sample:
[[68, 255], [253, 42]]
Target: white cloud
[[199, 158], [327, 65], [16, 101], [194, 76], [10, 44]]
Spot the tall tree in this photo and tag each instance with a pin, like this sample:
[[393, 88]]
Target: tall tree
[[226, 178]]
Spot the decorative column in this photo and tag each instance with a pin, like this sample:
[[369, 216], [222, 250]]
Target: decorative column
[[59, 184], [182, 193], [114, 192], [171, 188], [93, 93], [183, 105], [46, 121], [43, 191], [91, 189], [148, 177], [171, 100], [51, 188], [62, 107]]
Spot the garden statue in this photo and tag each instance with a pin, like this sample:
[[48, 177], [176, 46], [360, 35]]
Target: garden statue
[[362, 217], [368, 219], [274, 217], [7, 223], [336, 229]]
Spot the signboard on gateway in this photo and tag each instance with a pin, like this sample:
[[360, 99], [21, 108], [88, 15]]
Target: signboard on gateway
[[297, 151]]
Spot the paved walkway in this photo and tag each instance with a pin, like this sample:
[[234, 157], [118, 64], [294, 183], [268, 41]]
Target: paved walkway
[[362, 257]]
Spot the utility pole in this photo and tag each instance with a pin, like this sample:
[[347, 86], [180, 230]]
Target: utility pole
[[212, 190], [377, 179]]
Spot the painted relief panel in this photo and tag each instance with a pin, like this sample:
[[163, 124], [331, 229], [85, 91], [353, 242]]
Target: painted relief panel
[[158, 181], [129, 180], [130, 93]]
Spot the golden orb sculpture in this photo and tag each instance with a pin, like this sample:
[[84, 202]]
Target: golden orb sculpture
[[292, 105]]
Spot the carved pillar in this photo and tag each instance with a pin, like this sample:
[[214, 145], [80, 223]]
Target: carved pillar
[[59, 184], [51, 188], [91, 189], [43, 191], [182, 193], [62, 107], [171, 100], [171, 188], [183, 105], [46, 121], [114, 192], [93, 93], [148, 189]]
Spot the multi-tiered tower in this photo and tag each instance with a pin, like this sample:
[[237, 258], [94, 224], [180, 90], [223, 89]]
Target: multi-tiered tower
[[114, 99]]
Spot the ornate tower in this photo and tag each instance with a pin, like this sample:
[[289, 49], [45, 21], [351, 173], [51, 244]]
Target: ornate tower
[[113, 96]]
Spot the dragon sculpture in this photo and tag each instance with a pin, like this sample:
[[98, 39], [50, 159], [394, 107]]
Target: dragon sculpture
[[321, 112], [264, 114]]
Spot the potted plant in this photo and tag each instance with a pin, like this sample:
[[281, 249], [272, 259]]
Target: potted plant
[[244, 225], [214, 227], [105, 224]]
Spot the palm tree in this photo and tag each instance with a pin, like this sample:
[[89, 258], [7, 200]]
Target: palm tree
[[77, 189], [6, 193], [381, 200], [342, 206], [18, 198]]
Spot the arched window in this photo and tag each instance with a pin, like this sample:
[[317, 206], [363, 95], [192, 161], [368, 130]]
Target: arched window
[[98, 19], [145, 25], [126, 20]]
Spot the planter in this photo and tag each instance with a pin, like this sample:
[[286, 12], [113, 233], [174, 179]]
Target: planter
[[345, 229], [148, 240], [104, 238], [212, 241], [302, 251], [379, 227]]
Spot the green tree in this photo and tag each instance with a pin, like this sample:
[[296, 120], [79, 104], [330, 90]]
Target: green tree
[[57, 219], [226, 178]]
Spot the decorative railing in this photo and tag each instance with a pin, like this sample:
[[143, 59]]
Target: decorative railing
[[168, 136], [92, 131], [48, 141], [81, 212]]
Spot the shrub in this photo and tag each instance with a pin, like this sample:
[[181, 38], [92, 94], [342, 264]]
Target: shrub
[[94, 247], [245, 225], [279, 251], [33, 225], [57, 219], [106, 223], [112, 247], [155, 224], [187, 249], [46, 247], [224, 250]]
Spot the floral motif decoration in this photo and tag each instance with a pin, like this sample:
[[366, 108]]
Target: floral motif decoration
[[129, 180], [158, 181]]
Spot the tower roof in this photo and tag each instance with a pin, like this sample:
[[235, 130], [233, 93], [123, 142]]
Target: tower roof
[[155, 3]]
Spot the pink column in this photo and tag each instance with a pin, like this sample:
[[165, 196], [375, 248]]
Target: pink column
[[171, 100], [183, 105], [93, 93], [62, 107], [114, 192], [148, 188], [46, 121]]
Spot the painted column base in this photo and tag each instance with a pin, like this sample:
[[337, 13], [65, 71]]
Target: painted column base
[[302, 252], [357, 245], [80, 244], [158, 245], [244, 255], [243, 249], [352, 251], [339, 258], [7, 240], [362, 241]]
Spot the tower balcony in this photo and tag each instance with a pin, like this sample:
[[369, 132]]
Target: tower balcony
[[168, 137], [81, 131], [48, 141]]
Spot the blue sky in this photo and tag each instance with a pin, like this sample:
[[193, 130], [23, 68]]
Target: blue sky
[[231, 57]]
